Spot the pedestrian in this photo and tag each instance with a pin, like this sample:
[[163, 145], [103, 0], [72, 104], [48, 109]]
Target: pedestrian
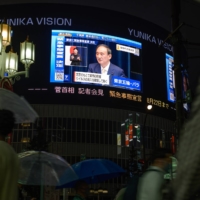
[[152, 181], [9, 162]]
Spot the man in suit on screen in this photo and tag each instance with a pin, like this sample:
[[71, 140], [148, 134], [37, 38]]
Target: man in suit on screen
[[104, 66]]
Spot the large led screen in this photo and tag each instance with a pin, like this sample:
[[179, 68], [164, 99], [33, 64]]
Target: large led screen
[[66, 69], [74, 60], [170, 78]]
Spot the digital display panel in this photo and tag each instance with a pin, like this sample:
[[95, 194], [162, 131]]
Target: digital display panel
[[65, 51], [170, 78], [171, 95], [74, 60]]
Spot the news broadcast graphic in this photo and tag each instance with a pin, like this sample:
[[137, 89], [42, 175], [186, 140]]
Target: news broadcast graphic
[[91, 78], [75, 56], [65, 49], [170, 78], [73, 51], [171, 96]]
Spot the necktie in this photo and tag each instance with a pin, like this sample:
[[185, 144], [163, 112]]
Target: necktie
[[104, 71]]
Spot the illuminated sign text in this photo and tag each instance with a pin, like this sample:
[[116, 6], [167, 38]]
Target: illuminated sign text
[[157, 103], [123, 95]]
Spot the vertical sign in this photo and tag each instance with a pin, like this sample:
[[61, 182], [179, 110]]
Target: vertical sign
[[127, 133], [119, 143], [130, 132], [170, 78]]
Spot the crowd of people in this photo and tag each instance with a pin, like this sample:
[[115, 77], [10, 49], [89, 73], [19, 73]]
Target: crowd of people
[[184, 186]]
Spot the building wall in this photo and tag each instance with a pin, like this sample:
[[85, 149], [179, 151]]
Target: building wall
[[74, 132]]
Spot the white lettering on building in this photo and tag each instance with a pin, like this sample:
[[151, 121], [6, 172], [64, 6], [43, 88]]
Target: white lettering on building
[[39, 21]]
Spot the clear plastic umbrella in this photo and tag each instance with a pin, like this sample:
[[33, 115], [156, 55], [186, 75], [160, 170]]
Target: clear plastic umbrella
[[22, 110], [42, 168]]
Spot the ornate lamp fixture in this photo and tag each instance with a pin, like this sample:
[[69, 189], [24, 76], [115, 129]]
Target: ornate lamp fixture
[[9, 61]]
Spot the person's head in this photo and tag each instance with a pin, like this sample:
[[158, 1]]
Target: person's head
[[75, 51], [7, 122], [103, 54], [161, 158], [81, 188]]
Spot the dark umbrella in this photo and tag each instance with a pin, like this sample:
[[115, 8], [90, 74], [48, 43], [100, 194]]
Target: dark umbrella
[[92, 171]]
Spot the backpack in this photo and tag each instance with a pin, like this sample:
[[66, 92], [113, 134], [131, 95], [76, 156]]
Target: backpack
[[131, 188]]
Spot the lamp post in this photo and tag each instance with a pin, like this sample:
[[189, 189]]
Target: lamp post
[[9, 61], [149, 107]]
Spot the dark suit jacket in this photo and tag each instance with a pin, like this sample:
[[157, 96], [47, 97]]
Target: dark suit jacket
[[75, 61], [113, 69]]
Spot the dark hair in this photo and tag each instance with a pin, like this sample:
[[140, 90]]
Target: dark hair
[[106, 46], [160, 153], [75, 49], [7, 122]]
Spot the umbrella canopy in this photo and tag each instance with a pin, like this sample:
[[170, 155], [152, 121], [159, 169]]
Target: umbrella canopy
[[42, 168], [22, 110], [92, 171]]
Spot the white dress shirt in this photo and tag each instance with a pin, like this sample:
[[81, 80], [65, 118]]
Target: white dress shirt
[[104, 70]]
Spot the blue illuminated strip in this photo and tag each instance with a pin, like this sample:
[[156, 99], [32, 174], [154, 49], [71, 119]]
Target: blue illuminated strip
[[126, 82], [96, 36], [169, 76]]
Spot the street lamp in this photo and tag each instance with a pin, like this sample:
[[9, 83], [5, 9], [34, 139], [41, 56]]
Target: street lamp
[[149, 107], [9, 61], [5, 31], [1, 44]]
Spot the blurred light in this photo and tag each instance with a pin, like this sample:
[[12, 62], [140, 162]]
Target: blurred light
[[1, 43], [141, 161], [5, 31], [11, 64], [136, 125], [25, 140], [149, 107], [27, 52], [26, 124], [91, 190], [100, 190]]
